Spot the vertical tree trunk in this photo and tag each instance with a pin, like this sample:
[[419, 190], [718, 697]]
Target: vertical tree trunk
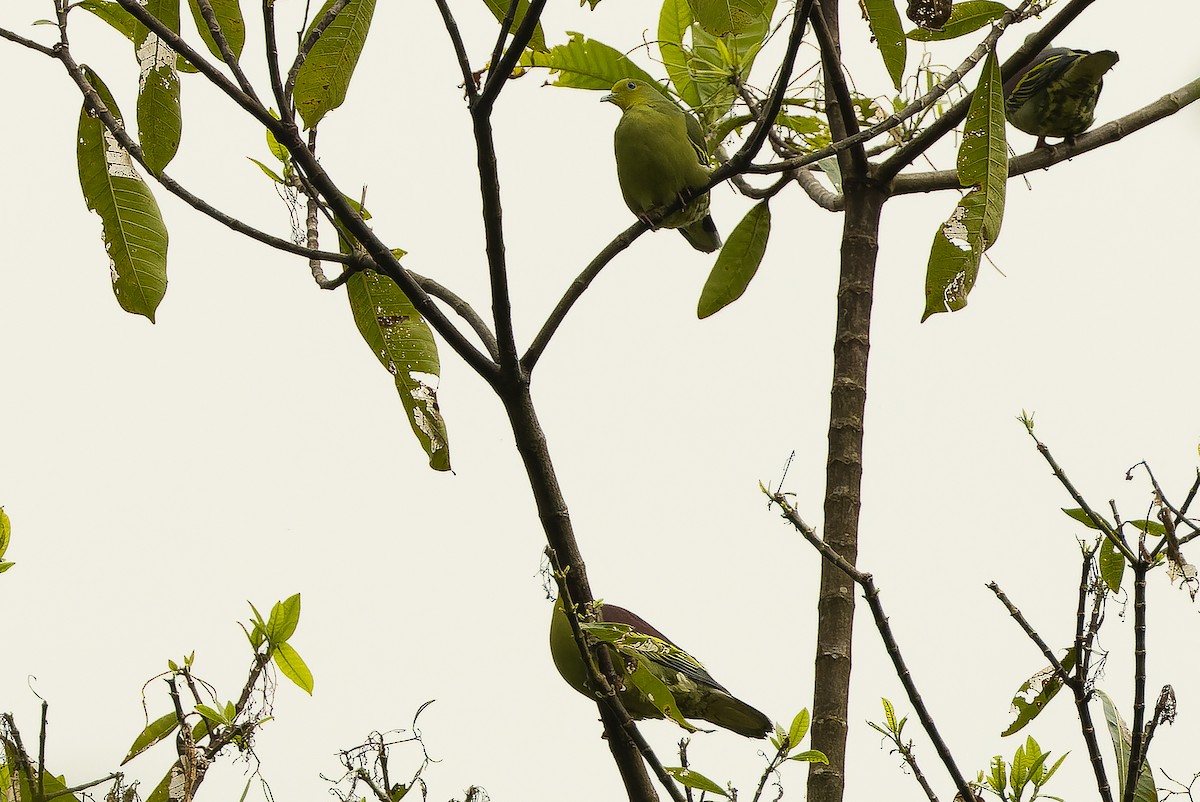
[[835, 609]]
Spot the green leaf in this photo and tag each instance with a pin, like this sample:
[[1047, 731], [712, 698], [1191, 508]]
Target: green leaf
[[4, 566], [170, 787], [1112, 565], [229, 18], [118, 18], [160, 120], [737, 262], [212, 714], [889, 717], [673, 22], [499, 9], [960, 242], [1046, 775], [1122, 740], [403, 342], [811, 756], [293, 667], [324, 78], [966, 17], [798, 730], [1079, 514], [1149, 527], [719, 17], [889, 36], [694, 779], [134, 235], [5, 531], [155, 731], [285, 616], [657, 692], [1036, 692], [585, 64], [719, 62], [269, 172]]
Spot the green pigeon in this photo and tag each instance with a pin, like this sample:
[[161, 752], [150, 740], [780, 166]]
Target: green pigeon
[[696, 693], [1056, 94], [660, 152]]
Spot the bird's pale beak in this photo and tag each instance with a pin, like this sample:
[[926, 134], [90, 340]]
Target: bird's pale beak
[[609, 98]]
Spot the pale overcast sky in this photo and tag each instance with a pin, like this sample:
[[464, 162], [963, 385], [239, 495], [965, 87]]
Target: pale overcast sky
[[248, 446]]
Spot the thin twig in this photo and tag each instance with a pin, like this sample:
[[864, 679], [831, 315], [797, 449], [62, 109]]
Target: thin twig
[[1059, 670], [1097, 520], [460, 50], [871, 595], [227, 54], [272, 55]]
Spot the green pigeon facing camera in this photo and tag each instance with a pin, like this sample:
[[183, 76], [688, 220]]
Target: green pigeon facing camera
[[660, 153], [1056, 94], [696, 693]]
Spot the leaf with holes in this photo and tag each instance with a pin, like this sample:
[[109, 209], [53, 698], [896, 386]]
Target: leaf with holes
[[134, 235], [960, 242], [403, 343]]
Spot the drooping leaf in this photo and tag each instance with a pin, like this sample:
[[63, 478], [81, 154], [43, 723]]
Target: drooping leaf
[[229, 18], [1122, 740], [889, 36], [324, 78], [160, 120], [291, 665], [694, 779], [673, 22], [155, 731], [499, 9], [134, 235], [960, 242], [1112, 565], [403, 342], [584, 63], [738, 261], [966, 17], [1036, 692]]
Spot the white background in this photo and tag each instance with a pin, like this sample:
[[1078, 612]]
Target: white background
[[248, 446]]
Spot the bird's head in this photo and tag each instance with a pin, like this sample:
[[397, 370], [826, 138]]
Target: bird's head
[[627, 93]]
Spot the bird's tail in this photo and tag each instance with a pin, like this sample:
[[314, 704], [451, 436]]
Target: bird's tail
[[735, 715], [702, 235], [1091, 68]]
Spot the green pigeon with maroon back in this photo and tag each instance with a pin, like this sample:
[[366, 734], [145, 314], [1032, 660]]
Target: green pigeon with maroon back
[[632, 642]]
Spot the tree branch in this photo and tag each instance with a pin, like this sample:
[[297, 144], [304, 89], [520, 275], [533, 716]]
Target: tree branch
[[1042, 158], [96, 105], [1024, 54], [575, 290]]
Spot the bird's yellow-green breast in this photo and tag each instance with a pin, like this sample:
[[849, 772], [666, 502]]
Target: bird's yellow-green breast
[[659, 155]]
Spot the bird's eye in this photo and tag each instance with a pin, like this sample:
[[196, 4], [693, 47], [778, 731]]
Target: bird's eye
[[630, 85]]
